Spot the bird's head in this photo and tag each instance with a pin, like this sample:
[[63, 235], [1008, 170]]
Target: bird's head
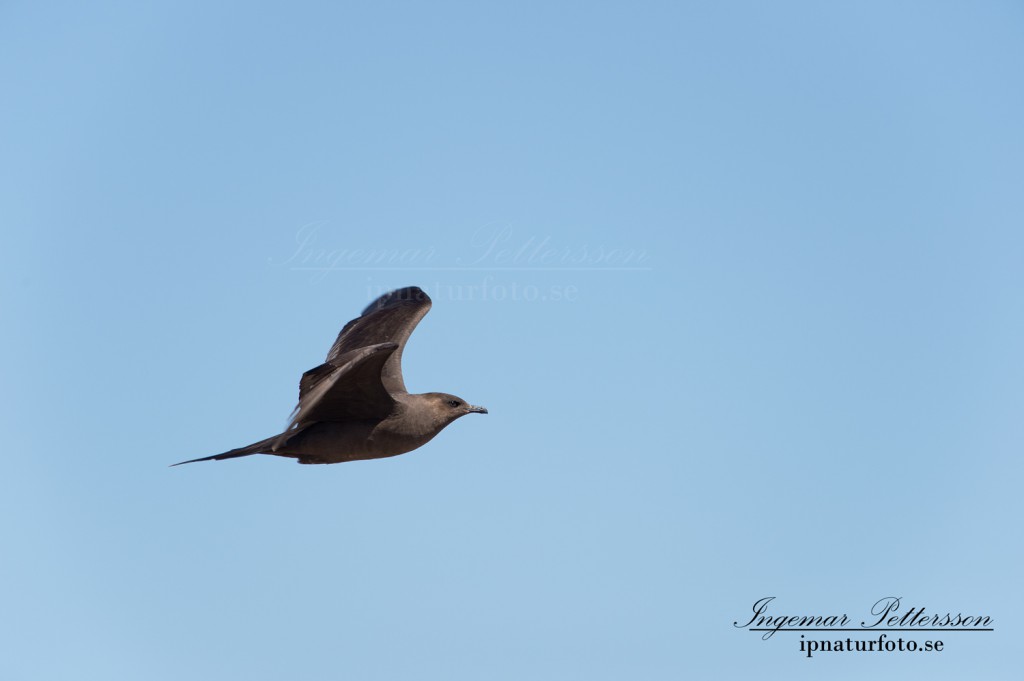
[[449, 407]]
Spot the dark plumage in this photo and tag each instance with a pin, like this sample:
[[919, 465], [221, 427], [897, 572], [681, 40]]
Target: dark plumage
[[355, 405]]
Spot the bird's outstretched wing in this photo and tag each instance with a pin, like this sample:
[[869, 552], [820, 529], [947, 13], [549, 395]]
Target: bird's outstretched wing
[[389, 319], [348, 389]]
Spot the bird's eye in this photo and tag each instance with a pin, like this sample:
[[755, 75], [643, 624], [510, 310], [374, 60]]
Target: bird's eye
[[453, 403]]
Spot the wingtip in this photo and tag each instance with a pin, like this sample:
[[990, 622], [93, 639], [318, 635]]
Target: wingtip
[[399, 295]]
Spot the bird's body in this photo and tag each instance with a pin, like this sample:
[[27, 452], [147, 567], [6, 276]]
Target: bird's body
[[335, 442], [355, 406]]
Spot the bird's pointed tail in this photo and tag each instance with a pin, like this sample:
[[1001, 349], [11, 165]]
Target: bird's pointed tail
[[261, 447]]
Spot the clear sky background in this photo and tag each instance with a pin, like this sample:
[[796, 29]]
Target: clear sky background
[[740, 283]]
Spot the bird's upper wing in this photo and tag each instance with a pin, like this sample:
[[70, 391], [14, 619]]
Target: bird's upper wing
[[348, 389], [389, 319]]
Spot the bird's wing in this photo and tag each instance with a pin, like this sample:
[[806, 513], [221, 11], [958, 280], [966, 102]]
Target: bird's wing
[[389, 319], [349, 389]]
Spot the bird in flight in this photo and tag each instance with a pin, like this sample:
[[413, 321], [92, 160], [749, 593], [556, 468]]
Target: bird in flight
[[355, 405]]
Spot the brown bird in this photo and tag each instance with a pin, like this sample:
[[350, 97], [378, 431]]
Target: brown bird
[[355, 405]]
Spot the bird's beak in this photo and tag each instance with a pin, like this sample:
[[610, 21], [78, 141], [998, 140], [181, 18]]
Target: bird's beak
[[477, 410]]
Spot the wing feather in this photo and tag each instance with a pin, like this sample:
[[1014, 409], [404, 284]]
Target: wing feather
[[349, 390], [389, 319]]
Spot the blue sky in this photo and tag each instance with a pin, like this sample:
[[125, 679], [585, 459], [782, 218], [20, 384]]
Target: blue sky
[[739, 282]]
